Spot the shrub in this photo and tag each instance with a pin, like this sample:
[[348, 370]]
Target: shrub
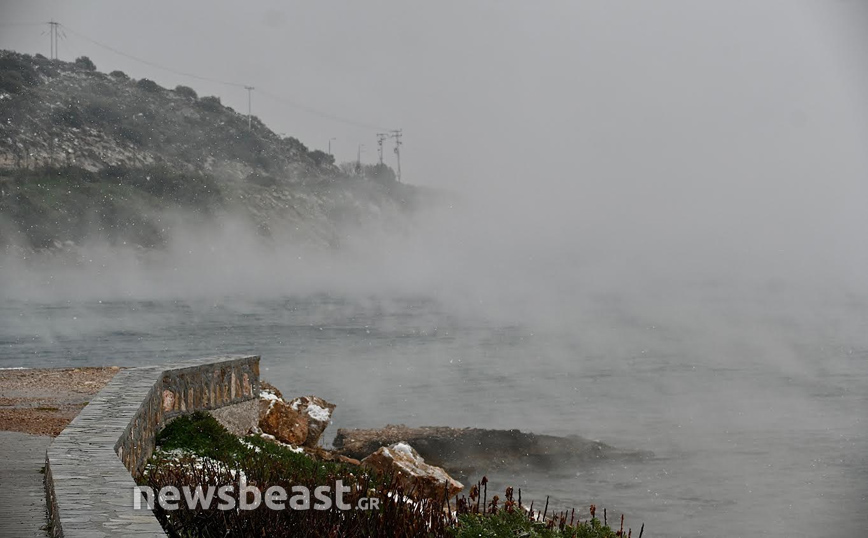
[[263, 180], [185, 188], [85, 63], [120, 75], [294, 145], [70, 115], [101, 112], [195, 450], [133, 131], [16, 75], [210, 103], [186, 91], [379, 172], [321, 158], [148, 85]]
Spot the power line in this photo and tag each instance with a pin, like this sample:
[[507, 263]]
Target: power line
[[321, 114], [282, 100], [11, 24], [152, 64]]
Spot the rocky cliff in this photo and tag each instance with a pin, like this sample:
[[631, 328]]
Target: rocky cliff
[[86, 154]]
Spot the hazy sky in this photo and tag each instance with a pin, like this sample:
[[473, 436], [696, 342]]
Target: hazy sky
[[664, 125]]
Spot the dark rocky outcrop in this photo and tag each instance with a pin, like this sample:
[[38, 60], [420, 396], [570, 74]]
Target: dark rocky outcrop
[[465, 451]]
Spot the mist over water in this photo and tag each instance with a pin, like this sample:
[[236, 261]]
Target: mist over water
[[746, 379]]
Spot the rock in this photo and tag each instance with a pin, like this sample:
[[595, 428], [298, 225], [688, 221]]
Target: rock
[[285, 423], [318, 413], [417, 478], [266, 387], [351, 461], [268, 394], [470, 451]]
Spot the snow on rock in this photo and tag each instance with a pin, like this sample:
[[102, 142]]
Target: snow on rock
[[418, 479], [285, 423], [318, 413]]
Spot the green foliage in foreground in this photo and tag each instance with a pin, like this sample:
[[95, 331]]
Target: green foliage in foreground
[[200, 434], [516, 523], [266, 463]]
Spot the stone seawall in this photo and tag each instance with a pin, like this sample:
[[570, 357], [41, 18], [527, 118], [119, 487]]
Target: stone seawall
[[90, 468]]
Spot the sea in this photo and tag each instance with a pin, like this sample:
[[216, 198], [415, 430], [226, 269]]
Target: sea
[[749, 403]]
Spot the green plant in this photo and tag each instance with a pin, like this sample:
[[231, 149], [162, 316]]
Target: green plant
[[379, 172], [321, 158], [69, 114], [16, 75], [148, 85], [210, 103], [119, 75], [195, 451], [85, 63], [101, 112], [186, 91]]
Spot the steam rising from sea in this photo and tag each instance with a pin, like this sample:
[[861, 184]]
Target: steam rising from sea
[[743, 369]]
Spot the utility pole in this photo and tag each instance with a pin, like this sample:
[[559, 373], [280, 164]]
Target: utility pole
[[397, 136], [330, 144], [52, 34], [380, 138], [249, 100], [359, 160]]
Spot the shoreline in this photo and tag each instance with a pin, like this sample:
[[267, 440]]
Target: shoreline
[[43, 401]]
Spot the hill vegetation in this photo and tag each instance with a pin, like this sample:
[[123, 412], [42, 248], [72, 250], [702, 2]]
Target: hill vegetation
[[88, 154]]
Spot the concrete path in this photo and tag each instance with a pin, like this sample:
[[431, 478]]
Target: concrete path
[[22, 497]]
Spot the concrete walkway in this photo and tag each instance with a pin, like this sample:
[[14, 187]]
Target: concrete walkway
[[22, 495]]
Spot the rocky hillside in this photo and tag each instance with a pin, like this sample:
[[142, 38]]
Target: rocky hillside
[[87, 154]]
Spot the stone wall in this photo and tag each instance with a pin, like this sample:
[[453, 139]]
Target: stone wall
[[90, 468]]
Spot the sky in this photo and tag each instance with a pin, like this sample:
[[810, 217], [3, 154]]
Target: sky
[[673, 126]]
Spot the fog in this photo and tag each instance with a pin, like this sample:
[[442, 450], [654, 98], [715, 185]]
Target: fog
[[669, 178], [681, 140]]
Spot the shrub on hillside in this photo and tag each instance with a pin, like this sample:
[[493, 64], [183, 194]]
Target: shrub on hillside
[[210, 103], [263, 180], [185, 188], [186, 91], [85, 63], [69, 115], [379, 172], [148, 85], [16, 75], [102, 112], [321, 158], [134, 131], [120, 75], [295, 146]]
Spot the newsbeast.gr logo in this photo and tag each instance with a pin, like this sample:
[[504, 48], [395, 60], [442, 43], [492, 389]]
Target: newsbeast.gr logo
[[275, 498]]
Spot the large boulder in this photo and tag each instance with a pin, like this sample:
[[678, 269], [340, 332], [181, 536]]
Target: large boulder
[[286, 424], [417, 478], [318, 414]]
